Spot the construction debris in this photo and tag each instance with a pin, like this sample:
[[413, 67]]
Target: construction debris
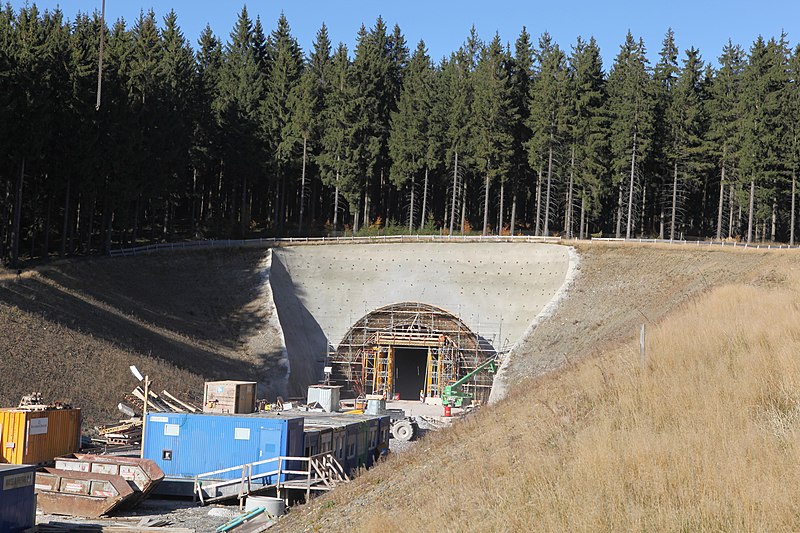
[[128, 432], [67, 527]]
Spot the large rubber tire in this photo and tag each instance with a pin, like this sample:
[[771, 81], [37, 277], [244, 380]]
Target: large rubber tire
[[403, 430]]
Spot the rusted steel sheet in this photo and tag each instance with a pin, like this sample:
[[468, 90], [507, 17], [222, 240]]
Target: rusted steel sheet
[[74, 493], [142, 474]]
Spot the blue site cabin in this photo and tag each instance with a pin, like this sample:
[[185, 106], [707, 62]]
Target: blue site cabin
[[17, 502], [185, 445]]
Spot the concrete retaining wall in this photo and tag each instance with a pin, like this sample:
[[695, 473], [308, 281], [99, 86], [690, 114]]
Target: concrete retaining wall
[[497, 289]]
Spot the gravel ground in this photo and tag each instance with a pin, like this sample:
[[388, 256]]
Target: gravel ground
[[180, 513]]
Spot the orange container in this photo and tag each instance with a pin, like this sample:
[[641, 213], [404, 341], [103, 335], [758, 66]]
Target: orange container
[[34, 437]]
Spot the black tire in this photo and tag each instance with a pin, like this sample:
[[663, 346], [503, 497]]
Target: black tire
[[403, 430]]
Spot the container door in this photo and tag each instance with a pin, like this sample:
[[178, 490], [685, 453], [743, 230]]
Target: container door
[[269, 448]]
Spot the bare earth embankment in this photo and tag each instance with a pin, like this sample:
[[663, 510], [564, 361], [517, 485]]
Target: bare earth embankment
[[71, 329], [704, 438]]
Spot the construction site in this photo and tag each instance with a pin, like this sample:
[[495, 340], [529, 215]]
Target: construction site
[[326, 360]]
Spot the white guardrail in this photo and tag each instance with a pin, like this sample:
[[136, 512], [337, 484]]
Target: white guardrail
[[232, 243]]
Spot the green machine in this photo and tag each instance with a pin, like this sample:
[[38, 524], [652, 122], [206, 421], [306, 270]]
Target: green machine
[[454, 396]]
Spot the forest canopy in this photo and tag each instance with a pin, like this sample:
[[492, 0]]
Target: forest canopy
[[249, 135]]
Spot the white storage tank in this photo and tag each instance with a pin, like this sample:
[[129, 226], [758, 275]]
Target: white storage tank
[[327, 396]]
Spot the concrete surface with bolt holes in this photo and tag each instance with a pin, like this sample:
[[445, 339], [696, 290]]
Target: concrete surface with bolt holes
[[497, 289]]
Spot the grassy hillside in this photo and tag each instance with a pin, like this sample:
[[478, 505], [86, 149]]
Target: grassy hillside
[[704, 437], [71, 329]]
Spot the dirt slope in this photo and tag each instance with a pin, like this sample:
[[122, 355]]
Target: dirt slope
[[181, 316], [463, 478]]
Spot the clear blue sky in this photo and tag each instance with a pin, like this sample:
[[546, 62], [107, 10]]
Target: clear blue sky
[[444, 25]]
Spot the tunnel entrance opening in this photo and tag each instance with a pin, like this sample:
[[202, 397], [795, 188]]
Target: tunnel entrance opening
[[410, 347], [409, 376]]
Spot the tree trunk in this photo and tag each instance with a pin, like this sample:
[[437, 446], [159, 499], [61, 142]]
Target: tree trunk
[[547, 194], [302, 187], [581, 232], [730, 209], [791, 217], [674, 200], [245, 215], [46, 243], [365, 220], [90, 225], [538, 204], [455, 189], [750, 211], [721, 203], [17, 218], [193, 206], [500, 215], [463, 208], [355, 218], [411, 210], [568, 214], [336, 198], [774, 227], [513, 212], [629, 223], [424, 200], [644, 206], [486, 202], [109, 229], [618, 233]]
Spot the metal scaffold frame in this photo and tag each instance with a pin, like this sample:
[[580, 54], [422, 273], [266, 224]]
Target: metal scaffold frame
[[364, 362]]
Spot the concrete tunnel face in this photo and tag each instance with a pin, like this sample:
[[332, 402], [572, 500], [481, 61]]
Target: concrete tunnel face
[[410, 351], [322, 292]]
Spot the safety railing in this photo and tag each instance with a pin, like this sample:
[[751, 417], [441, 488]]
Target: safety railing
[[322, 472], [231, 243]]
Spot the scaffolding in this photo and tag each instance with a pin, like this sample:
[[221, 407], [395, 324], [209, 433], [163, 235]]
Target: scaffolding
[[364, 362]]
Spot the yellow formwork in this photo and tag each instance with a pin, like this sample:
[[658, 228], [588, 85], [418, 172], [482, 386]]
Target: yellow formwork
[[33, 437]]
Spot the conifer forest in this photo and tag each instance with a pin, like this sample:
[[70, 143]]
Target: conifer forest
[[115, 134]]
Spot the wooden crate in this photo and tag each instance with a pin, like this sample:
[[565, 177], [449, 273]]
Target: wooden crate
[[233, 397]]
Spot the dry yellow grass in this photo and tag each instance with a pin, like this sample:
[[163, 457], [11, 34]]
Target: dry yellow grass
[[705, 438]]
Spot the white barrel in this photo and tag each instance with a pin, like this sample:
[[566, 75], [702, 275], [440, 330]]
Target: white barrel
[[273, 506]]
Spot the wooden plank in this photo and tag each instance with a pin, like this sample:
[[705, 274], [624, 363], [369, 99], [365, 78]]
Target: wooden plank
[[187, 406]]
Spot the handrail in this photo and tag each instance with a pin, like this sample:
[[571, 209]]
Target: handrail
[[327, 468]]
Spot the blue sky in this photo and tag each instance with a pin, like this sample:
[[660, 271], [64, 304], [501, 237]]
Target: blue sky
[[444, 25]]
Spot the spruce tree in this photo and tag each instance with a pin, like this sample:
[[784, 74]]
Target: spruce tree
[[241, 91], [176, 71], [206, 152], [549, 112], [286, 67], [588, 132], [410, 126], [686, 123], [723, 108], [793, 136], [630, 104], [494, 114], [303, 104], [336, 158], [665, 76], [761, 107], [521, 77]]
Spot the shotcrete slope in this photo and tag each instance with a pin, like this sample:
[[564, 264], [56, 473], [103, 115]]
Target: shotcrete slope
[[497, 289]]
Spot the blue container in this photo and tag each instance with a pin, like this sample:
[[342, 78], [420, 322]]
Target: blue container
[[17, 502], [185, 445]]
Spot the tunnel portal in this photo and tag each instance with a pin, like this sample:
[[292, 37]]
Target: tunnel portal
[[410, 350]]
